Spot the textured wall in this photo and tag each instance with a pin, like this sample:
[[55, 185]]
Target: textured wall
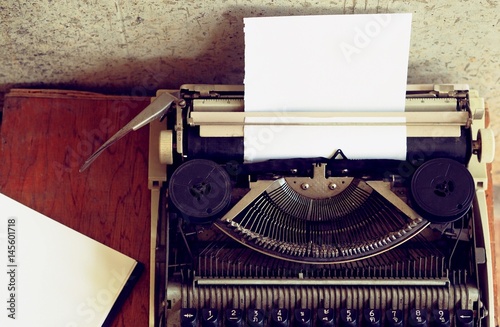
[[139, 46]]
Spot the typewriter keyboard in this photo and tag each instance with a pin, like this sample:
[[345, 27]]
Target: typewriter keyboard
[[324, 317]]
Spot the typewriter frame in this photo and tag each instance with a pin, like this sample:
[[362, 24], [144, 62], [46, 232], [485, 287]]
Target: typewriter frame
[[159, 304]]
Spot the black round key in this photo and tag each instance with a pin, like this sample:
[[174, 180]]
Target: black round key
[[302, 317], [371, 317], [394, 318], [326, 317], [348, 318], [255, 317], [464, 318], [188, 317], [234, 318], [279, 317], [440, 318], [210, 317], [418, 318]]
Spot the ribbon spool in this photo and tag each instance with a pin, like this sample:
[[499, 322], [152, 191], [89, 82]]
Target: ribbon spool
[[200, 189], [442, 190]]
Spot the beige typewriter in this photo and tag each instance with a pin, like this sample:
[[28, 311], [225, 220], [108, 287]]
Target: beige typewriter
[[318, 242]]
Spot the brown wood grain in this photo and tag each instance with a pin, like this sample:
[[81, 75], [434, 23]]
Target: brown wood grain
[[45, 138]]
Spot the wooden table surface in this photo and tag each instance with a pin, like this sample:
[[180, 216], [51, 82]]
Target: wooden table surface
[[45, 138], [46, 135]]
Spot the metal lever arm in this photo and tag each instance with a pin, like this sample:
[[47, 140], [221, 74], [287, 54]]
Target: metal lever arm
[[152, 112]]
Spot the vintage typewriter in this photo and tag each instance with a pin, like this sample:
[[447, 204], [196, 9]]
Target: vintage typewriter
[[318, 241]]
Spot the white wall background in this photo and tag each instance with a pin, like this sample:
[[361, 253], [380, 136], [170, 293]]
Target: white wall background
[[139, 46]]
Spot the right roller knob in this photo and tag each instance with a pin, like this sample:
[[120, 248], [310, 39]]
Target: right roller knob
[[166, 147], [486, 151]]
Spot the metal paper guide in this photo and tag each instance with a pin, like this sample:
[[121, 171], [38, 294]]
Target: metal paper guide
[[329, 63]]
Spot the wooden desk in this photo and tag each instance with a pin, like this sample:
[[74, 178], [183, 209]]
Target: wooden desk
[[45, 138]]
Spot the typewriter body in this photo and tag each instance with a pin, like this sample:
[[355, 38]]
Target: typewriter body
[[318, 241]]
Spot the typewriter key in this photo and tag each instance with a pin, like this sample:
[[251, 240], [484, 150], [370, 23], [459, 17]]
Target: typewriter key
[[440, 318], [200, 189], [188, 317], [279, 317], [371, 317], [303, 318], [348, 318], [255, 317], [234, 318], [464, 318], [417, 318], [442, 190], [209, 317], [326, 317], [394, 318]]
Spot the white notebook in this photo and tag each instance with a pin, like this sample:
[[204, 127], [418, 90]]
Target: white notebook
[[52, 275]]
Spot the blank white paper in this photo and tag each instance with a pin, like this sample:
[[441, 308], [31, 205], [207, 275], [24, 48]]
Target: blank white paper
[[59, 277], [326, 63], [311, 141]]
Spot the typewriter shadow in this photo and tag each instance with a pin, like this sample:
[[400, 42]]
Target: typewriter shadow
[[211, 55], [208, 57], [212, 52]]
